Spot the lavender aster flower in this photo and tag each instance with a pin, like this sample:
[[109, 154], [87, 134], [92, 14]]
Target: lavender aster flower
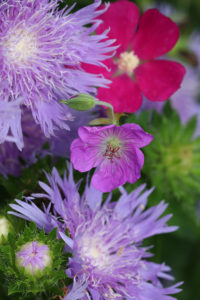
[[113, 150], [106, 240], [10, 123], [60, 144], [78, 290], [33, 256], [34, 139], [41, 54]]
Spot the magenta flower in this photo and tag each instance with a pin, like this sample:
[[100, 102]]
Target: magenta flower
[[113, 150], [135, 69], [33, 256]]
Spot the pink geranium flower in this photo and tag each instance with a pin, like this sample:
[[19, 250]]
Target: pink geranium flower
[[135, 69], [114, 150]]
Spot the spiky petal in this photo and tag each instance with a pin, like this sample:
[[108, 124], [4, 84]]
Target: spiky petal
[[41, 51], [106, 239]]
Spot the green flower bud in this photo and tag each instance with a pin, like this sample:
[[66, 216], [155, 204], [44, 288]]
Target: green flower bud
[[5, 227], [34, 257], [81, 102]]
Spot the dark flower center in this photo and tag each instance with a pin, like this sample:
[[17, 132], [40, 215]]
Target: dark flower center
[[112, 152]]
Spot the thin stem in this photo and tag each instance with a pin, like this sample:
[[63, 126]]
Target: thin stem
[[97, 102]]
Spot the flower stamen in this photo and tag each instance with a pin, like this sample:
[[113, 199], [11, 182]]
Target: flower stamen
[[112, 152], [128, 62], [20, 46]]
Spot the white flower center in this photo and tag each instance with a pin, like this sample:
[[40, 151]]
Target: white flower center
[[95, 253], [20, 47], [128, 62]]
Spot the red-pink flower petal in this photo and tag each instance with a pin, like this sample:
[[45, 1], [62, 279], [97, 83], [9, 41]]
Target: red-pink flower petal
[[156, 35], [122, 18], [106, 72], [159, 79], [123, 93]]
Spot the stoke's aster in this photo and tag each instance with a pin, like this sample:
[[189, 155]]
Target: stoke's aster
[[12, 160], [136, 69], [41, 51], [105, 240], [33, 256], [10, 123], [113, 150]]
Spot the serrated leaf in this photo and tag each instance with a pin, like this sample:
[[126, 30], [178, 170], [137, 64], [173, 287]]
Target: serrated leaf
[[189, 129]]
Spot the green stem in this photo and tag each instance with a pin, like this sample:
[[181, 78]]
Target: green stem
[[97, 102]]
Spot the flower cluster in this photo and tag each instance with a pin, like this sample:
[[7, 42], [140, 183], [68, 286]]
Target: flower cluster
[[57, 62], [42, 49], [105, 239]]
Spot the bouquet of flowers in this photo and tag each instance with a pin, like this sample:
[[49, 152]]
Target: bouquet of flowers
[[99, 151]]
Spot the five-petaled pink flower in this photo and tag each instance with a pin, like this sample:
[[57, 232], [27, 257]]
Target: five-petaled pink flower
[[135, 70], [114, 150]]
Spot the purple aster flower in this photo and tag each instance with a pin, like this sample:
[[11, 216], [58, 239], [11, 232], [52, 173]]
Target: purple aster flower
[[78, 290], [194, 44], [10, 123], [106, 240], [33, 256], [113, 150], [41, 50], [34, 139], [60, 144]]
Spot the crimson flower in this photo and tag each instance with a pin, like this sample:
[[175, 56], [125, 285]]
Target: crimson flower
[[137, 68]]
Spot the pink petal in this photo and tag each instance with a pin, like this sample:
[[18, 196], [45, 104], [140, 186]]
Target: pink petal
[[136, 135], [159, 79], [107, 71], [156, 35], [84, 157], [136, 162], [92, 135], [112, 175], [122, 18], [108, 177], [123, 93]]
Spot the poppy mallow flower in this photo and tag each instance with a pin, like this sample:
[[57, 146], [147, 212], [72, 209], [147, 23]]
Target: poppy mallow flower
[[138, 67], [114, 150]]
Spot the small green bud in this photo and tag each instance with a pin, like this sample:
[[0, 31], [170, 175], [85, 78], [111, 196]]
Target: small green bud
[[34, 257], [81, 102], [5, 227]]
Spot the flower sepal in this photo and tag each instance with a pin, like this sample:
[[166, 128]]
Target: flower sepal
[[81, 102]]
